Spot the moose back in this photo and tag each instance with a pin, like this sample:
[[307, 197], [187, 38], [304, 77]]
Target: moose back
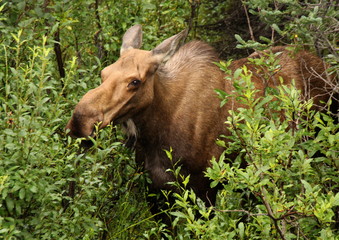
[[166, 98]]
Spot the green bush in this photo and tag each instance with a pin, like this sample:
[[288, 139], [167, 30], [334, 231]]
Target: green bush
[[289, 187], [51, 188]]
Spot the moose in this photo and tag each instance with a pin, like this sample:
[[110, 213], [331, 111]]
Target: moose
[[166, 99]]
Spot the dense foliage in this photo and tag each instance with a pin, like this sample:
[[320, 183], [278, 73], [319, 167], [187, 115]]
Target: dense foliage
[[52, 188]]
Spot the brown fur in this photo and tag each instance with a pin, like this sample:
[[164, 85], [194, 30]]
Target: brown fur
[[176, 105]]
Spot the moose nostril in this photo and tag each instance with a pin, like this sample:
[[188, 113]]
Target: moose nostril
[[75, 133], [75, 126], [83, 125]]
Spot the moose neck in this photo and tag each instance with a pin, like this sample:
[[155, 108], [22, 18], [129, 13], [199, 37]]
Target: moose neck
[[185, 108], [180, 104], [157, 116]]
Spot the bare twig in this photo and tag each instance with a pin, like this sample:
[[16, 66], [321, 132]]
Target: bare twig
[[248, 22], [192, 22], [241, 211], [270, 212], [58, 53], [98, 42]]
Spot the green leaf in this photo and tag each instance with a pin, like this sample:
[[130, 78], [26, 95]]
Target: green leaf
[[241, 230], [9, 132], [237, 73], [178, 214], [214, 184], [187, 179], [239, 39], [33, 189], [336, 200], [307, 186], [22, 193], [9, 204]]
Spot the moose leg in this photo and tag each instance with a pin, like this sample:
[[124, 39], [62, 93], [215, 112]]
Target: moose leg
[[159, 205], [201, 186]]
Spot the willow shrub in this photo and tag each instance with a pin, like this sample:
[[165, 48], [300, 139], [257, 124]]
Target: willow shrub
[[288, 188], [50, 187]]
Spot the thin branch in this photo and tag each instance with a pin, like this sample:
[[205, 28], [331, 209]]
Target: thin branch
[[248, 21], [192, 22], [98, 42], [241, 211], [58, 53], [270, 212]]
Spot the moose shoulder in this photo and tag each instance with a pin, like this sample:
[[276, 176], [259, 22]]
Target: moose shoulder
[[167, 98]]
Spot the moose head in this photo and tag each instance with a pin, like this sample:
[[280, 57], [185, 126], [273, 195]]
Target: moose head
[[127, 85]]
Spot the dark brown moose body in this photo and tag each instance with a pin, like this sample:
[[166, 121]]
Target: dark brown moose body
[[167, 98]]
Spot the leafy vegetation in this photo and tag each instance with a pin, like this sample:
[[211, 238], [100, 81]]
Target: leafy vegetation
[[289, 188], [52, 188]]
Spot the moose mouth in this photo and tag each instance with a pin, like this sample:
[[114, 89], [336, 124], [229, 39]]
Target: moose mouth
[[80, 129], [87, 142]]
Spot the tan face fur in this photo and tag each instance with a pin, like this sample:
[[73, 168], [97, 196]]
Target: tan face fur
[[127, 87]]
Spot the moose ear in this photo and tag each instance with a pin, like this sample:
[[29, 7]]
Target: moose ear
[[132, 38], [167, 48]]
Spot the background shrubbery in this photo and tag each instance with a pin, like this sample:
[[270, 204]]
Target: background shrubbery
[[52, 53]]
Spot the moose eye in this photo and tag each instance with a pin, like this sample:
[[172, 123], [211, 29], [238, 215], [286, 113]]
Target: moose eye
[[135, 83]]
